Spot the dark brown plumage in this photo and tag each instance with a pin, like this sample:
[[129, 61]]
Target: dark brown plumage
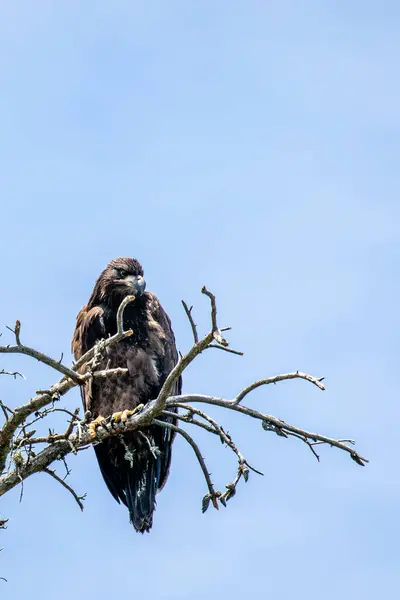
[[135, 467]]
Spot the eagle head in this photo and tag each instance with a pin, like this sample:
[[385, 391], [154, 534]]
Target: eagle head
[[122, 277]]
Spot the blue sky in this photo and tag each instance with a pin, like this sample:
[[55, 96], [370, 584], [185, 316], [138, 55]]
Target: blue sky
[[252, 147]]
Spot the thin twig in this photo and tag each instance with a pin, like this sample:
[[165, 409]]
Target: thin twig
[[216, 332], [74, 415], [296, 375], [72, 423], [12, 373], [281, 433], [217, 429], [27, 440], [5, 408], [237, 352], [16, 331], [22, 487], [193, 325], [206, 292], [345, 441], [66, 486]]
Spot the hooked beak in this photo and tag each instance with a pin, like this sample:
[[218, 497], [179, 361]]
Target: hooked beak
[[137, 284]]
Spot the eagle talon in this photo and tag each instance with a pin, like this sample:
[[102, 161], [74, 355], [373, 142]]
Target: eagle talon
[[98, 422], [138, 408], [123, 415], [116, 417]]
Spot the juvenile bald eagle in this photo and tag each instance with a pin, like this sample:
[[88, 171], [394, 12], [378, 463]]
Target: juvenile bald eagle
[[136, 466]]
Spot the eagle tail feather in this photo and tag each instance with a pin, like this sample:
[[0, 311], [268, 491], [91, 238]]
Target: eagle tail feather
[[141, 490], [132, 469]]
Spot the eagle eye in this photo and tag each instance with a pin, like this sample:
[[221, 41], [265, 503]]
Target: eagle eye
[[123, 273]]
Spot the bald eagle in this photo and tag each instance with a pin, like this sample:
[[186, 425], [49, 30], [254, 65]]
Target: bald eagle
[[135, 466]]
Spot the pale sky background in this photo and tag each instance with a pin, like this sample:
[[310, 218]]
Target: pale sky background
[[252, 147]]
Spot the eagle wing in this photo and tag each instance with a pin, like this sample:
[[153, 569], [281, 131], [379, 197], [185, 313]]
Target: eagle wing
[[89, 330], [166, 365]]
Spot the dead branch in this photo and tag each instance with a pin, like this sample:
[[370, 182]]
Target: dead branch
[[14, 374], [296, 375], [270, 423], [63, 386], [213, 495], [193, 325], [215, 330], [16, 435], [215, 428], [16, 331], [21, 349], [225, 349]]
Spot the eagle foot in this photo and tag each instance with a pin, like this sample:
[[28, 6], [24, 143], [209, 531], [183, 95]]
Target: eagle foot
[[98, 422], [123, 416]]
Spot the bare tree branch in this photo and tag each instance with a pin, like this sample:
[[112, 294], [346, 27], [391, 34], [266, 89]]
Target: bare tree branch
[[16, 331], [243, 465], [19, 446], [6, 409], [193, 325], [23, 411], [276, 423], [237, 352], [296, 375], [14, 374], [61, 447], [21, 349], [215, 330], [60, 388], [27, 439]]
